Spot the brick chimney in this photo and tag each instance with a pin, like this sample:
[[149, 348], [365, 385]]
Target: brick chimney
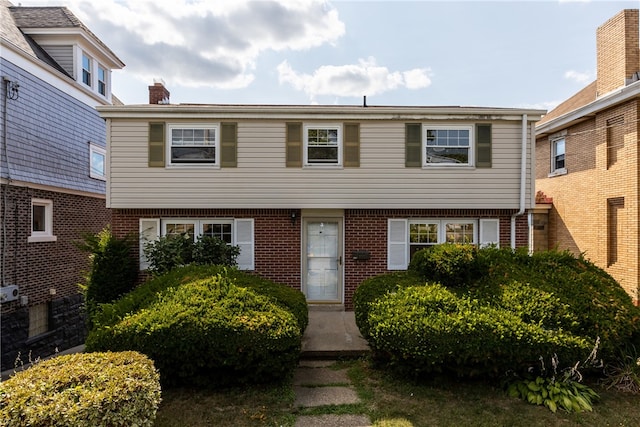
[[158, 94], [618, 51]]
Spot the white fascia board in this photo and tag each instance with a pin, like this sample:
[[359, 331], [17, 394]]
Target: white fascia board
[[580, 114], [56, 36]]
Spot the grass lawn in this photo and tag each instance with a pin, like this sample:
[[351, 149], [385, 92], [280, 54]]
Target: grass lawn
[[389, 402]]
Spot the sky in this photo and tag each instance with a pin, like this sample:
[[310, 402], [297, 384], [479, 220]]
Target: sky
[[521, 54]]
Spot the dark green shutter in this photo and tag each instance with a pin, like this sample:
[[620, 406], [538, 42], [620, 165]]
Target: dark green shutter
[[483, 146], [413, 145], [228, 145], [156, 145], [294, 145], [352, 145]]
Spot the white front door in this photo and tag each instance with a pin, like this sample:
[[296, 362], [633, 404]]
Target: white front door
[[323, 260]]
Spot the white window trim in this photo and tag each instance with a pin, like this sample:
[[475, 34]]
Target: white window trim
[[305, 154], [47, 234], [399, 242], [106, 80], [246, 258], [472, 143], [560, 171], [171, 126], [98, 150], [92, 76]]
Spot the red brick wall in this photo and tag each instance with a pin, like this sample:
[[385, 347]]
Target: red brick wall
[[40, 266], [278, 240]]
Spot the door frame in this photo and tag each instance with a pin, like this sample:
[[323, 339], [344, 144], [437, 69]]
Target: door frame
[[320, 216]]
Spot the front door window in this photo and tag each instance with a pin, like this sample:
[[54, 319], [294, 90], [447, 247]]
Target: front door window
[[323, 261]]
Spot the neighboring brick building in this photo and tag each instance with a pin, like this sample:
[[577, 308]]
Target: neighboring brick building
[[54, 72], [587, 159], [321, 197]]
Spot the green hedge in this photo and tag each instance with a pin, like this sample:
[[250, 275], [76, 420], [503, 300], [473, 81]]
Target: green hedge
[[94, 389], [288, 298], [428, 328], [449, 264], [551, 292], [208, 332]]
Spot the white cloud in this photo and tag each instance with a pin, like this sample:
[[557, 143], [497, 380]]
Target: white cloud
[[202, 43], [544, 105], [363, 78], [578, 77]]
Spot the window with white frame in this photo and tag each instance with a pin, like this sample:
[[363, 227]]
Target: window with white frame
[[448, 145], [323, 145], [102, 80], [407, 236], [238, 232], [193, 144], [97, 156], [557, 155], [41, 221], [86, 70]]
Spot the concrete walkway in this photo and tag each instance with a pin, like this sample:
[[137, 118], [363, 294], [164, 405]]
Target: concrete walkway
[[331, 334]]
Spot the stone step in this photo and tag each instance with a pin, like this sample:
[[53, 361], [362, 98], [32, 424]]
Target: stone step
[[320, 376], [333, 421], [309, 397]]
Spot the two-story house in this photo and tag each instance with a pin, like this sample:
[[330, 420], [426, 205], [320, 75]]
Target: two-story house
[[53, 72], [588, 163], [321, 197]]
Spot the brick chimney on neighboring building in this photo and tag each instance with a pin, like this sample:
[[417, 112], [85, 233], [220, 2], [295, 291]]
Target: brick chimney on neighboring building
[[618, 51], [158, 94]]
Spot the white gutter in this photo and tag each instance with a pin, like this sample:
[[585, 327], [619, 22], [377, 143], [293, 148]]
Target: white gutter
[[523, 181]]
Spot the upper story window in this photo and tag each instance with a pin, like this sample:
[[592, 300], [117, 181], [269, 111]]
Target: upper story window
[[97, 157], [86, 70], [193, 144], [323, 145], [102, 81], [448, 145], [41, 221], [557, 155]]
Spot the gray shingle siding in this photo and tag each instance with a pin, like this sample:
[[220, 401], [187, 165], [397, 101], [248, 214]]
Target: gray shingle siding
[[48, 135]]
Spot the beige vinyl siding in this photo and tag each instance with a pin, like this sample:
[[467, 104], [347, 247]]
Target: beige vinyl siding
[[262, 180]]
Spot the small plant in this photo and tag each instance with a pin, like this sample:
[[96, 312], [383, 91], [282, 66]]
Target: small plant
[[624, 374], [560, 390]]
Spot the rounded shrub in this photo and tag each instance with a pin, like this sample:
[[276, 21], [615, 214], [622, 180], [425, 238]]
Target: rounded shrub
[[83, 390], [429, 328], [287, 298], [375, 288], [208, 332]]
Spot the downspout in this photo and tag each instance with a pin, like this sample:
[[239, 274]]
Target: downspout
[[523, 181]]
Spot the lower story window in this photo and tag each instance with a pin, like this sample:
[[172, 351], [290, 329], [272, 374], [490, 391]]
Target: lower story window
[[38, 319], [407, 236], [41, 221], [238, 232]]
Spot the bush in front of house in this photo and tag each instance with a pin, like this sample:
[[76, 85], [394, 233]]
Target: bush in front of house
[[112, 273], [208, 332], [375, 288], [83, 390], [449, 264], [428, 328], [288, 298], [551, 299], [173, 251]]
